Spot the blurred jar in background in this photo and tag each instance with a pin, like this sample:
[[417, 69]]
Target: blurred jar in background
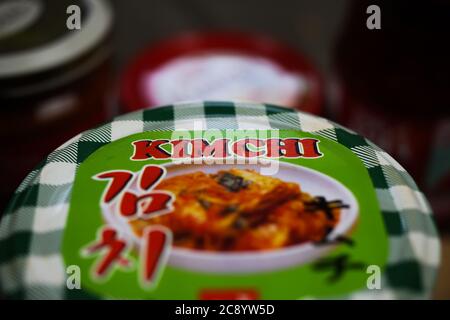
[[221, 66], [53, 81], [393, 86]]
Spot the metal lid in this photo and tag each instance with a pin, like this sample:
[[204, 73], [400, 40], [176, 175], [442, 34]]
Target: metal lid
[[34, 36]]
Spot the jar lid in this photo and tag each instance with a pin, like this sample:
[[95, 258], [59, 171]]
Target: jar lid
[[34, 36], [220, 65], [218, 200]]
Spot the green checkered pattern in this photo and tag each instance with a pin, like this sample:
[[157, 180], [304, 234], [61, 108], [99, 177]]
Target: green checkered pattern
[[31, 231]]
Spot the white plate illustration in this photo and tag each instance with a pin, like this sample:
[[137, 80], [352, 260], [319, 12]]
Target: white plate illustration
[[310, 181]]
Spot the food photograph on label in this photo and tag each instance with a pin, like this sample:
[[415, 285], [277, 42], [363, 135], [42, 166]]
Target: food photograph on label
[[225, 150]]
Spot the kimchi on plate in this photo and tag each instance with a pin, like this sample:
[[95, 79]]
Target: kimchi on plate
[[241, 210]]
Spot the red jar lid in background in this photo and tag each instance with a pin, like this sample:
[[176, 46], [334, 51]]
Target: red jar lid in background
[[221, 66]]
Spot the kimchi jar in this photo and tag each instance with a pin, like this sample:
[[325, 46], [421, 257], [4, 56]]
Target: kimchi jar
[[53, 80], [392, 87], [221, 66]]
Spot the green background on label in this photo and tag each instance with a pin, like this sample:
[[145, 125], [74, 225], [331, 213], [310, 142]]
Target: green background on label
[[85, 219]]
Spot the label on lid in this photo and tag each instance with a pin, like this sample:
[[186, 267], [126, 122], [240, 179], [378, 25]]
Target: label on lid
[[210, 214], [223, 76]]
